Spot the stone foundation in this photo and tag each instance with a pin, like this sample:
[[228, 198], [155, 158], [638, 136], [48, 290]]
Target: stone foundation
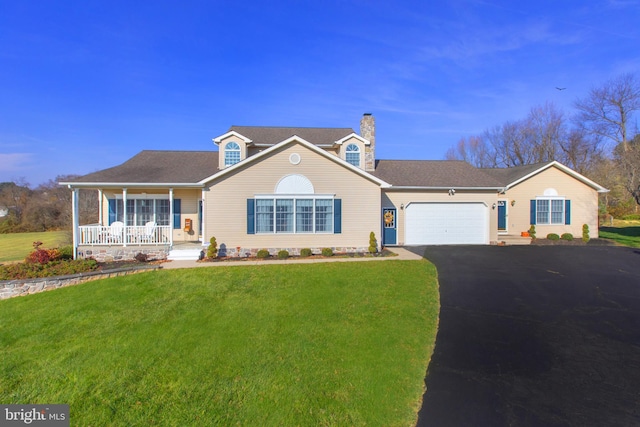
[[120, 253], [240, 252]]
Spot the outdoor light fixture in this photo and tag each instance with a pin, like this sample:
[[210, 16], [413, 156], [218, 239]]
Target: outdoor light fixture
[[452, 192], [493, 206], [513, 203], [401, 206]]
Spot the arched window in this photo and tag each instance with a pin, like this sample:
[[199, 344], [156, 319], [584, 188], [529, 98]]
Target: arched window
[[352, 155], [231, 154]]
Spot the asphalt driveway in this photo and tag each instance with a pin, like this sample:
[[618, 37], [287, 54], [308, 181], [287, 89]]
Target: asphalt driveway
[[535, 336]]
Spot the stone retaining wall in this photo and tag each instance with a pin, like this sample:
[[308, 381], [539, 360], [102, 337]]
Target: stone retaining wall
[[21, 287]]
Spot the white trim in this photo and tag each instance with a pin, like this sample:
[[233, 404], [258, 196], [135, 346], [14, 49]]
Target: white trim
[[352, 135], [417, 187], [119, 185], [219, 139], [294, 196], [305, 143]]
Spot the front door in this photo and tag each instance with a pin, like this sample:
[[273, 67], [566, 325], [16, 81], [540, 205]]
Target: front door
[[502, 215], [389, 229]]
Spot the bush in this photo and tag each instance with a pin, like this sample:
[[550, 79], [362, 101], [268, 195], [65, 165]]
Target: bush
[[305, 252], [30, 270], [42, 256], [567, 236], [373, 243], [262, 254], [585, 233], [532, 232], [66, 252], [212, 251], [140, 257], [553, 236], [327, 252], [283, 254], [632, 217]]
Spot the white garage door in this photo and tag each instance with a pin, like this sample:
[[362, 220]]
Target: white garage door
[[447, 224]]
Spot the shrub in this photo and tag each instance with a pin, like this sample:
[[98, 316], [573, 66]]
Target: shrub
[[585, 233], [66, 252], [42, 256], [567, 236], [140, 257], [327, 252], [283, 254], [553, 236], [373, 243], [212, 251], [30, 270], [532, 232], [305, 252], [262, 254], [632, 217]]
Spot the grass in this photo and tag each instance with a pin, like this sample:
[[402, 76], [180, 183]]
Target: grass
[[626, 233], [16, 246], [306, 345]]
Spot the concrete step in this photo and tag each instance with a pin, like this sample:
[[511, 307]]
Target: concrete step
[[192, 254], [512, 240]]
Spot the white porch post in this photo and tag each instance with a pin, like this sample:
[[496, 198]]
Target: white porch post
[[74, 220], [124, 216], [171, 216], [202, 226], [100, 212]]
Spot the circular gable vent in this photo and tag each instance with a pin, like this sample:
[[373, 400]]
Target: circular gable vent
[[294, 158]]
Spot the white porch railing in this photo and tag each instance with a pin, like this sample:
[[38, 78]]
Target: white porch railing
[[96, 235]]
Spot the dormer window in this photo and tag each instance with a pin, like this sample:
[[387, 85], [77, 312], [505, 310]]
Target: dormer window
[[231, 154], [352, 155]]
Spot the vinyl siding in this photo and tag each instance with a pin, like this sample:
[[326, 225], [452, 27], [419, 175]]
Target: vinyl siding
[[584, 204], [226, 206], [397, 198]]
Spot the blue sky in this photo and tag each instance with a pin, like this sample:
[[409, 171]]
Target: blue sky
[[86, 85]]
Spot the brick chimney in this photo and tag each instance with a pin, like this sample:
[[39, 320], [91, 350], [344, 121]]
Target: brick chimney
[[368, 132]]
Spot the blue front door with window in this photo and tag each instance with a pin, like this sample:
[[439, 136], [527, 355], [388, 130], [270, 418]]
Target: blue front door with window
[[502, 215], [389, 229]]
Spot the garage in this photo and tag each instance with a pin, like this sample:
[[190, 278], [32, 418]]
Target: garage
[[447, 224]]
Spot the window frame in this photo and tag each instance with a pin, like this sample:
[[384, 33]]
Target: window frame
[[349, 152], [549, 212], [291, 222], [235, 151]]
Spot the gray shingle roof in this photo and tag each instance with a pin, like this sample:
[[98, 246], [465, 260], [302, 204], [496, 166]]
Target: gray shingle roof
[[509, 175], [151, 166], [433, 173], [265, 135]]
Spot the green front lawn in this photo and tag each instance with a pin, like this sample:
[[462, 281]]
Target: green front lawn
[[16, 246], [281, 345], [625, 233]]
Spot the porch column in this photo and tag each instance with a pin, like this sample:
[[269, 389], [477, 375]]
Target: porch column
[[74, 220], [171, 216], [124, 216], [203, 217], [100, 211]]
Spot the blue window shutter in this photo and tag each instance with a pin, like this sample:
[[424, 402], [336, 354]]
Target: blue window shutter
[[532, 216], [251, 216], [567, 212], [112, 211], [337, 216], [176, 213]]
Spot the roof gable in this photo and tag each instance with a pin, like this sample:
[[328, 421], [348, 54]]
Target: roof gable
[[511, 177], [293, 140], [269, 136]]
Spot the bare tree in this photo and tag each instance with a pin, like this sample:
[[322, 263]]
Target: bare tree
[[472, 150], [608, 110]]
